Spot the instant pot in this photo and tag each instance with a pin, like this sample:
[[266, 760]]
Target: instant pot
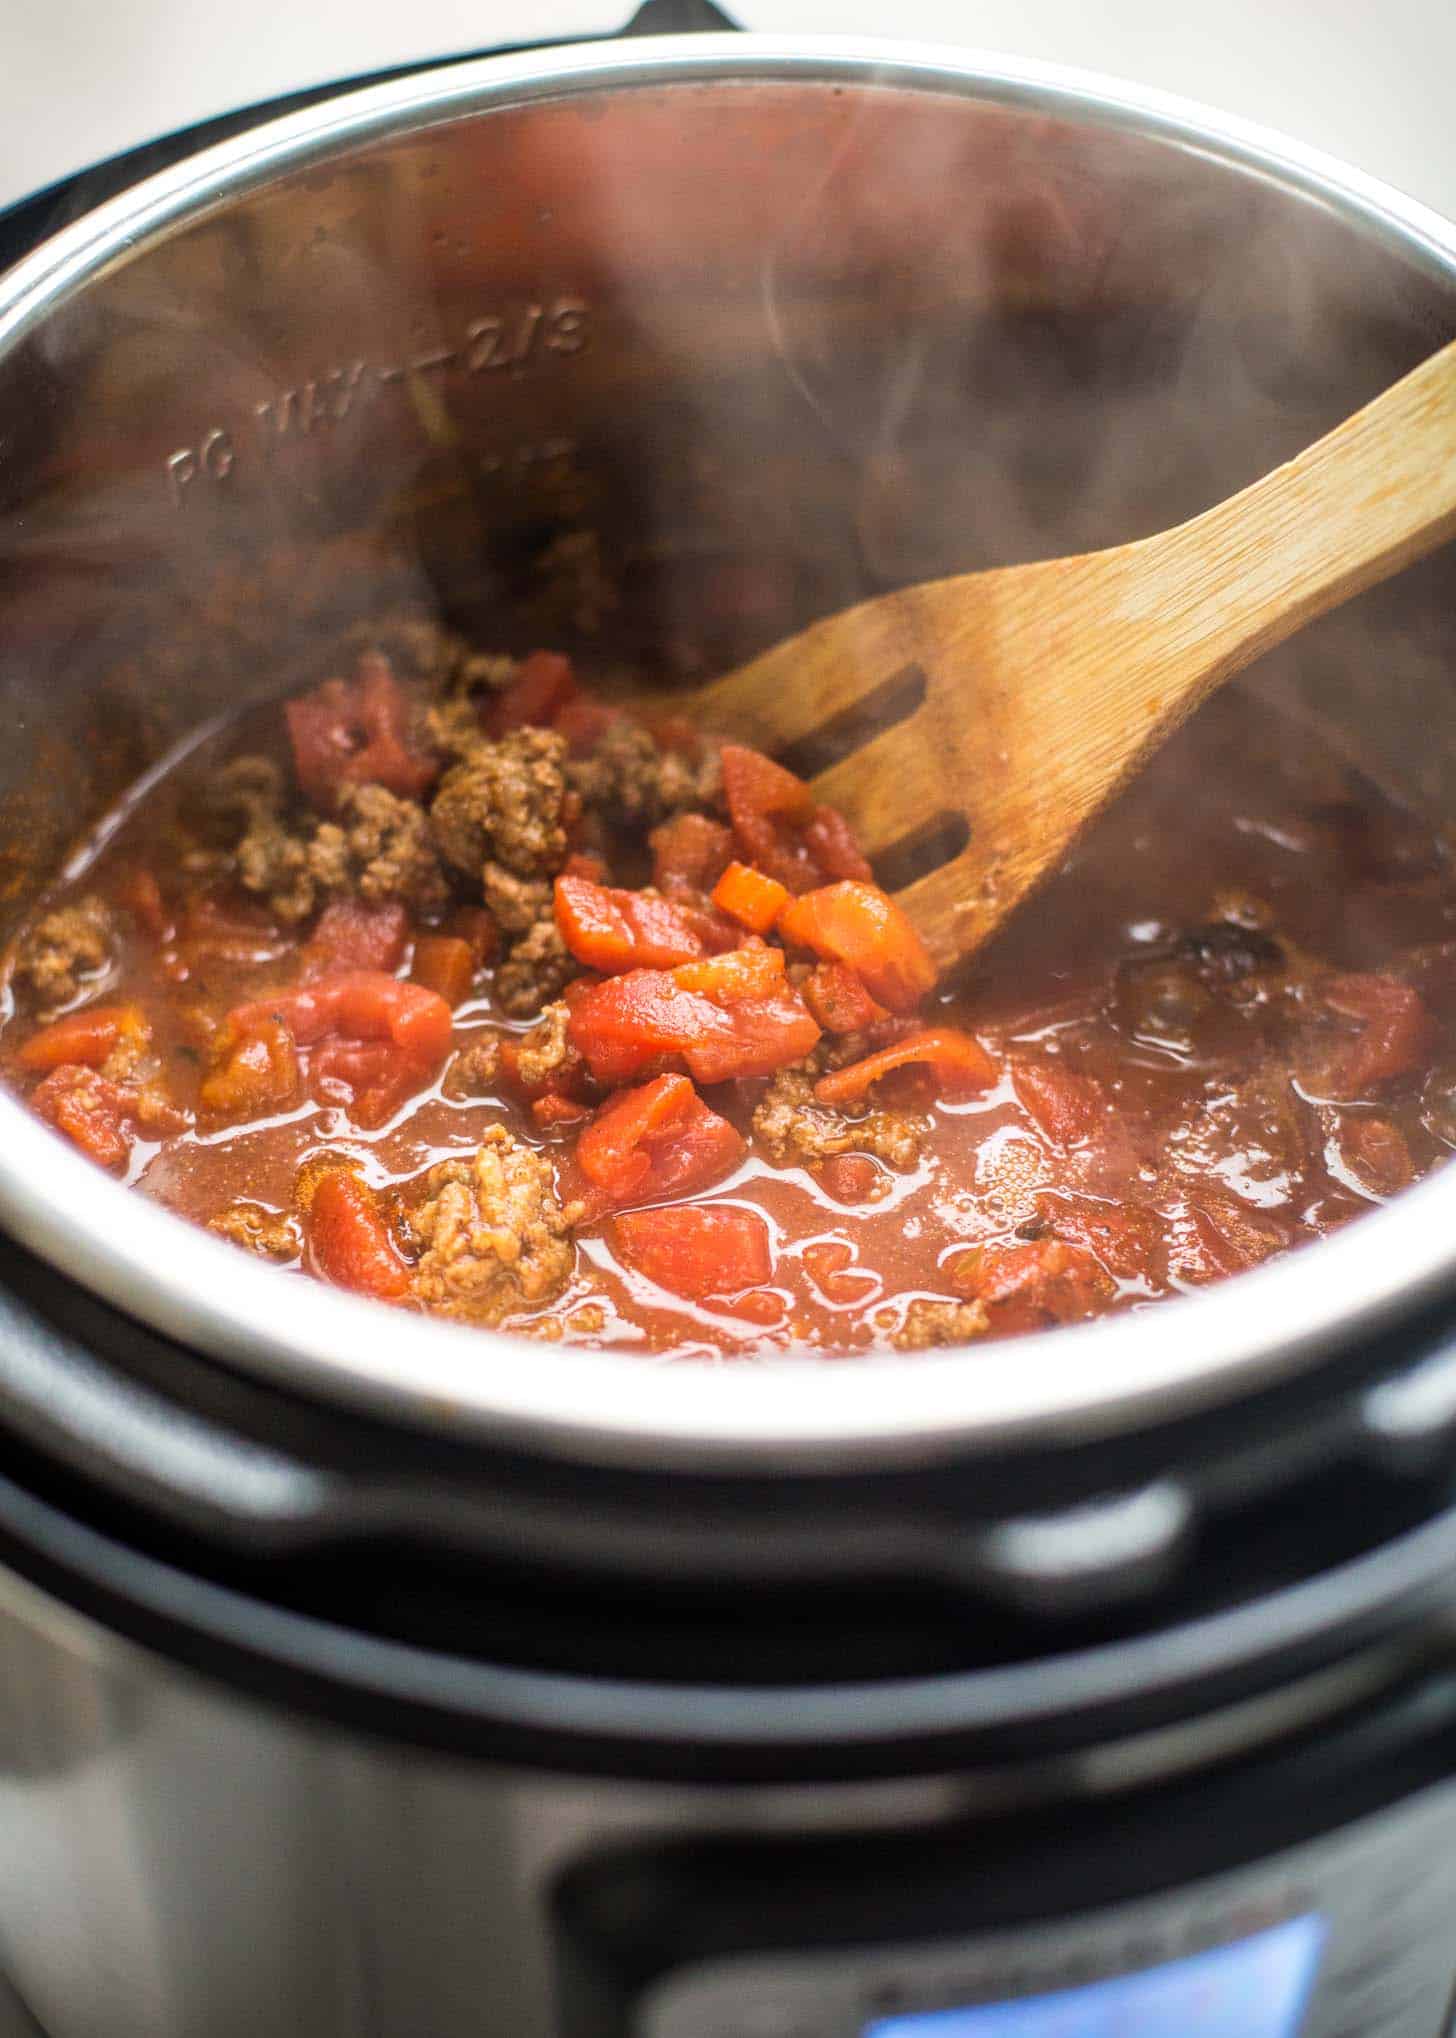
[[361, 1675]]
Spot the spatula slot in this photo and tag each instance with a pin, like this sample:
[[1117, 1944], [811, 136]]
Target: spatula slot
[[915, 856], [894, 700]]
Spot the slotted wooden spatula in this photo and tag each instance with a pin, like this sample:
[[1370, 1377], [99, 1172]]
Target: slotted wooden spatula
[[1021, 699]]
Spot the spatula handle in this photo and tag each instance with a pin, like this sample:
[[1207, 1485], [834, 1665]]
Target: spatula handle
[[1376, 493]]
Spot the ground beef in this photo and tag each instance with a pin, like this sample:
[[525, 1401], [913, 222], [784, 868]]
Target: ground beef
[[504, 803], [245, 806], [69, 947], [494, 1238], [940, 1323], [474, 1070], [269, 1233], [537, 969], [629, 781], [515, 903], [545, 1051], [380, 849], [796, 1129]]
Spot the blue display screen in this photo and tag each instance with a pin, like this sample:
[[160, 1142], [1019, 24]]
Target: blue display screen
[[1256, 1988]]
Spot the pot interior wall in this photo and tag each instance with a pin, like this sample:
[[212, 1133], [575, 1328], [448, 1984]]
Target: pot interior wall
[[658, 374]]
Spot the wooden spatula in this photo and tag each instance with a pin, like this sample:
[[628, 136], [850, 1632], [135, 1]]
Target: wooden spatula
[[1021, 699]]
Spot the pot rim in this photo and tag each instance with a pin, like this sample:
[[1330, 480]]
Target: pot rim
[[1069, 1385]]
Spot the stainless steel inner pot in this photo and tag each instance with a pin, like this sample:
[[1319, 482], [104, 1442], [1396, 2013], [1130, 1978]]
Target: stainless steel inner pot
[[759, 327]]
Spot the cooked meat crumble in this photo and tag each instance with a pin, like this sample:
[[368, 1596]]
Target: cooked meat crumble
[[494, 1237]]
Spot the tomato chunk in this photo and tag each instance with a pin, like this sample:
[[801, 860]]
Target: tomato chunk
[[138, 891], [959, 1062], [850, 1177], [89, 1037], [356, 732], [690, 849], [89, 1110], [861, 926], [1128, 1238], [370, 1078], [779, 828], [829, 841], [1396, 1032], [544, 684], [359, 1005], [254, 1073], [696, 1250], [352, 935], [445, 964], [839, 1001], [583, 722], [1376, 1154], [347, 1241], [1065, 1106], [610, 930], [475, 927], [1028, 1286], [727, 1016], [746, 895], [658, 1140]]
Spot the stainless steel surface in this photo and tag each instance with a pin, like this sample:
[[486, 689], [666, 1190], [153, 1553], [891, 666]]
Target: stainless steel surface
[[741, 297], [179, 1861]]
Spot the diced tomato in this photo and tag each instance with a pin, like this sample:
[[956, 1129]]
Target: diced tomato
[[352, 935], [361, 1005], [1128, 1238], [581, 863], [696, 1250], [1218, 1234], [690, 849], [89, 1110], [356, 732], [610, 930], [1027, 1286], [370, 1078], [254, 1073], [862, 927], [544, 684], [1375, 1152], [89, 1037], [757, 789], [478, 930], [747, 971], [679, 734], [582, 723], [849, 1177], [229, 930], [658, 1140], [839, 1001], [139, 893], [1396, 1032], [830, 842], [958, 1061], [1065, 1107], [347, 1241], [727, 1016], [445, 964], [749, 897], [830, 1265], [779, 828]]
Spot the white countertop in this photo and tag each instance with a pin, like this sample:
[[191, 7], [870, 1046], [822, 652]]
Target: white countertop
[[82, 79]]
